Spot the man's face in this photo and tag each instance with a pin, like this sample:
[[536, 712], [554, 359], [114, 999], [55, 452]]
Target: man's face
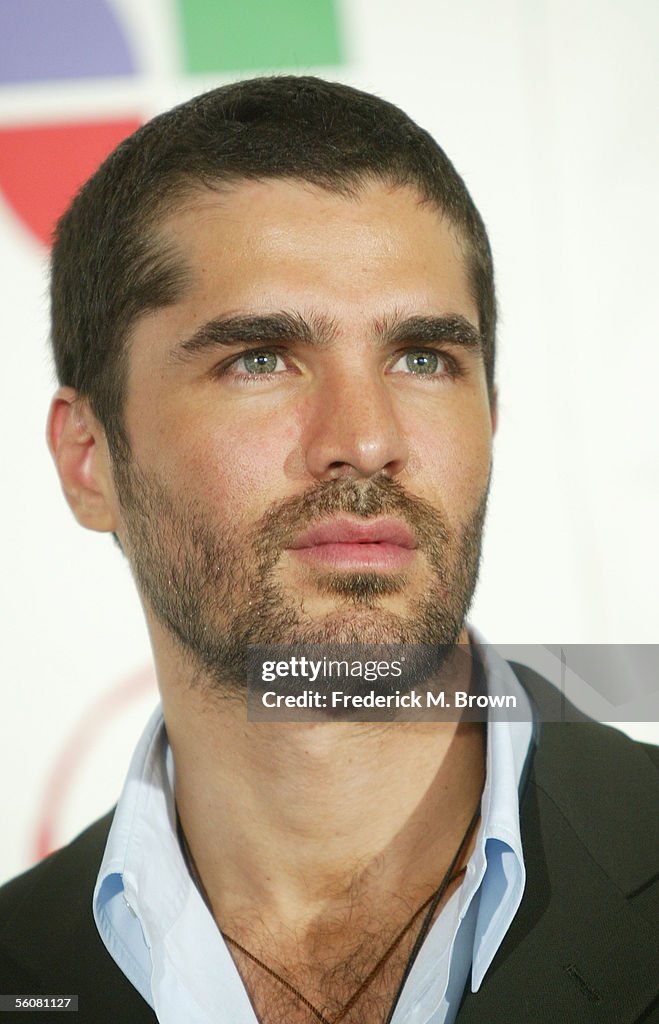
[[310, 426]]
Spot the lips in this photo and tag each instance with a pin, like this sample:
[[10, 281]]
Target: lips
[[347, 531], [385, 543]]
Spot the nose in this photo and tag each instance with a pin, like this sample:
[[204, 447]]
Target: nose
[[353, 430]]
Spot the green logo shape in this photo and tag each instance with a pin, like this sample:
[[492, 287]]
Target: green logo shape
[[247, 35]]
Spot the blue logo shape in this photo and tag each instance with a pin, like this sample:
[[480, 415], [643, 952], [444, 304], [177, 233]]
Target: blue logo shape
[[41, 40]]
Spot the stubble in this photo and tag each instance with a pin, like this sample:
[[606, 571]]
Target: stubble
[[214, 585]]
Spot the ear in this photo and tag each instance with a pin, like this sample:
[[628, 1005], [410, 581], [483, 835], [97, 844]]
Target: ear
[[79, 448]]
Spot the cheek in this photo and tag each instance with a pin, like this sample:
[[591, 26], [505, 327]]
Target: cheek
[[450, 462], [235, 468]]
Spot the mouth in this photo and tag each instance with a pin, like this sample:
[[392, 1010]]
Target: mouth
[[385, 544]]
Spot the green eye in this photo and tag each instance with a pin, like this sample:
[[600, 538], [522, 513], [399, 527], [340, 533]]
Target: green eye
[[422, 362], [260, 362]]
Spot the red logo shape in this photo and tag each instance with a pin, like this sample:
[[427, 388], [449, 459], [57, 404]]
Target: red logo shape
[[43, 166]]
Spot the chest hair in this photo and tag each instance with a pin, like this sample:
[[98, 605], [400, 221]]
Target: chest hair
[[327, 976]]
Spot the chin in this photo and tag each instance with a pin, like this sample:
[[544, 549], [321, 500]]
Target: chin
[[360, 625]]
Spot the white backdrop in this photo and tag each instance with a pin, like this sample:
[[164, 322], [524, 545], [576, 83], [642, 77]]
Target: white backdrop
[[547, 111]]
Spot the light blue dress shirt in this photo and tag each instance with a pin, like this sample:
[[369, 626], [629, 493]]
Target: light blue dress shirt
[[159, 931]]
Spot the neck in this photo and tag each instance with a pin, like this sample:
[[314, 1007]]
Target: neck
[[291, 820]]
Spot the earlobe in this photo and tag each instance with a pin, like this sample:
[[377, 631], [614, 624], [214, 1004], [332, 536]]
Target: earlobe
[[79, 449]]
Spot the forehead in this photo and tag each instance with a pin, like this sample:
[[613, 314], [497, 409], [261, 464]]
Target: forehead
[[243, 243]]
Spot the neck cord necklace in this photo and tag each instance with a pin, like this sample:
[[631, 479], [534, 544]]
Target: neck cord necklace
[[431, 904], [432, 909]]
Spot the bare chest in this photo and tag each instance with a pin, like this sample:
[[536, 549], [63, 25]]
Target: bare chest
[[356, 990]]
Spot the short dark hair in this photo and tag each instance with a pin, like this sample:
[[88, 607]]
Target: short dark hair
[[107, 268]]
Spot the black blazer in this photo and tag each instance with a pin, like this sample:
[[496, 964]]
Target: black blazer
[[583, 947]]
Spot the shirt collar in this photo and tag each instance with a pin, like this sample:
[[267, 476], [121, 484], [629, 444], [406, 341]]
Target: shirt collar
[[133, 914], [499, 858], [474, 922]]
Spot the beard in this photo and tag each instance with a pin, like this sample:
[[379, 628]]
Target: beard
[[214, 584]]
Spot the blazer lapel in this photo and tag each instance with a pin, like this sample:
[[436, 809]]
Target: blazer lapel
[[583, 946]]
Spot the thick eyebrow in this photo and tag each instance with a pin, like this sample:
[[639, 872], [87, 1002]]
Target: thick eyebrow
[[427, 330], [287, 328], [255, 329]]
